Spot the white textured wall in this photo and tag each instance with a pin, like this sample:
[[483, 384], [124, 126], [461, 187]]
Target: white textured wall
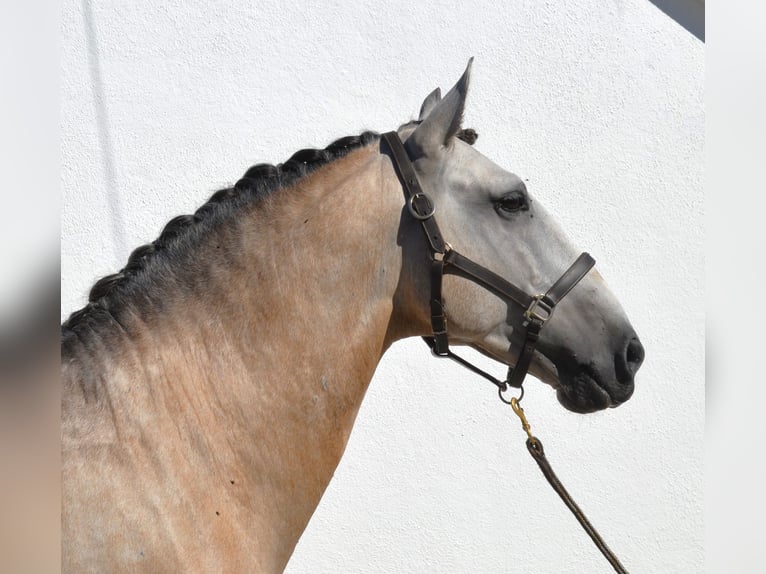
[[599, 104]]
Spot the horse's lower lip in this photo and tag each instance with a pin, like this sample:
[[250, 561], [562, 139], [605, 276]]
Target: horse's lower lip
[[584, 394]]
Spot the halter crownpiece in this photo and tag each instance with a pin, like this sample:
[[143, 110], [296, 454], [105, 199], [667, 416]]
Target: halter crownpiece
[[538, 309]]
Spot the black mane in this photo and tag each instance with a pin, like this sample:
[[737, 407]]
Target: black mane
[[261, 180]]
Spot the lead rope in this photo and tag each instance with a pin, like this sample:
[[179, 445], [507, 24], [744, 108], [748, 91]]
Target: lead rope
[[535, 448]]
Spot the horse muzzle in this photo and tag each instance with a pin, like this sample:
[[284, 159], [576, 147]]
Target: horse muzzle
[[586, 388]]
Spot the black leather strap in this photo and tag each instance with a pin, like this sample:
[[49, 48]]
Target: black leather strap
[[438, 319], [517, 373], [448, 354], [570, 278], [457, 264], [419, 203]]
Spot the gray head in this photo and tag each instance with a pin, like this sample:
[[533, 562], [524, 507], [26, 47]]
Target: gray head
[[588, 350]]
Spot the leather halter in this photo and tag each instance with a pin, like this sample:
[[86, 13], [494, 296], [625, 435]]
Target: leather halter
[[444, 259]]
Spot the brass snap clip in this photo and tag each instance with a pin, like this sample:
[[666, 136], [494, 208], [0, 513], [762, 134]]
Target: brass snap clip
[[520, 413]]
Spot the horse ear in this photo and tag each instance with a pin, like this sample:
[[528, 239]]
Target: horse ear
[[428, 104], [442, 122]]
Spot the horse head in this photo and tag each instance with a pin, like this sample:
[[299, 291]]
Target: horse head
[[588, 350]]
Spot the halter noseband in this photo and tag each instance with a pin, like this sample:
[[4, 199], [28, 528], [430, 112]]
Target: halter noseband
[[444, 259]]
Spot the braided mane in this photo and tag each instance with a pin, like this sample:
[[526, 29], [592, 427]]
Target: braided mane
[[260, 181]]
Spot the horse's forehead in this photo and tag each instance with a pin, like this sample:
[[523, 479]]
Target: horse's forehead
[[464, 164], [470, 166]]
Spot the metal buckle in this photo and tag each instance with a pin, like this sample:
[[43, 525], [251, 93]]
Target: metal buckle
[[537, 305], [414, 212], [444, 355], [440, 256]]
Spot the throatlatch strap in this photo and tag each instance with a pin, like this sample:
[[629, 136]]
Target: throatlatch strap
[[431, 342]]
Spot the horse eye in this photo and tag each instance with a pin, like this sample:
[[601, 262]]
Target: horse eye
[[512, 203]]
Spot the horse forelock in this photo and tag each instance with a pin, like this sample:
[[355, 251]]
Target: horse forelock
[[110, 293]]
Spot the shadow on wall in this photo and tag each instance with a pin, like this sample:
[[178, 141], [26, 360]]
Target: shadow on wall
[[102, 122], [688, 13]]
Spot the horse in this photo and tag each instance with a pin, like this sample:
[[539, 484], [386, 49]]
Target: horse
[[210, 386]]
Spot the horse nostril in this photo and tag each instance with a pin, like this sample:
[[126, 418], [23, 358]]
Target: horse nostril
[[634, 355], [628, 361]]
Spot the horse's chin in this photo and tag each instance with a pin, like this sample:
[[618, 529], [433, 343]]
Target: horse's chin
[[584, 396], [582, 392], [579, 392]]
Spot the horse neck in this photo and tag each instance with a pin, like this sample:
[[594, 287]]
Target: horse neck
[[261, 375]]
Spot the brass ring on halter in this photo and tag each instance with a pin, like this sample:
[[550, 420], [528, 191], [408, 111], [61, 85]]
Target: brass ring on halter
[[509, 401]]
